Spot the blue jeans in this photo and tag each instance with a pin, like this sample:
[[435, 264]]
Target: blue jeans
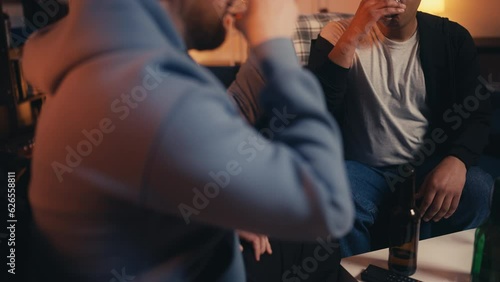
[[372, 194]]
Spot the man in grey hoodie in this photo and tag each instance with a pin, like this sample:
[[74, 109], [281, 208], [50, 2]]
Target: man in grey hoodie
[[143, 166]]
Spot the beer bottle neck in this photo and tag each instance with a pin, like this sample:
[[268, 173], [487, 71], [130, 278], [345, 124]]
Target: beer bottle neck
[[406, 192]]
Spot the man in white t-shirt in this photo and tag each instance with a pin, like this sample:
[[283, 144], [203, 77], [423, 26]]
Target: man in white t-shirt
[[404, 87]]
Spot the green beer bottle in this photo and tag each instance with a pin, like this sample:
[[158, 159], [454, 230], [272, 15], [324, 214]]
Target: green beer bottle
[[486, 260]]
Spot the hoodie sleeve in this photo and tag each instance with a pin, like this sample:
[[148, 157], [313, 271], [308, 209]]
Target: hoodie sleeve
[[246, 89], [209, 166]]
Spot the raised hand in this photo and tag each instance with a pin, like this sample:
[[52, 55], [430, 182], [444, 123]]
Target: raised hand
[[368, 14], [259, 242], [371, 11], [265, 20]]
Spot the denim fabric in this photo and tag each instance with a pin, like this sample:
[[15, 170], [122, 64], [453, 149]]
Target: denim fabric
[[372, 199]]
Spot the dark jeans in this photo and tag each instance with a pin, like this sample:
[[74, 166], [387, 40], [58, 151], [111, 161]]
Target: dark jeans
[[372, 198], [294, 262]]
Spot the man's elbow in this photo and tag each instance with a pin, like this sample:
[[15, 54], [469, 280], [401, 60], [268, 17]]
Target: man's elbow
[[341, 218]]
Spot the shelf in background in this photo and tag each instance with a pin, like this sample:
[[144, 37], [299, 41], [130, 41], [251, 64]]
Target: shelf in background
[[488, 44], [488, 49]]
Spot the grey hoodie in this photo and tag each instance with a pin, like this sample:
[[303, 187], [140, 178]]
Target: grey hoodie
[[143, 166]]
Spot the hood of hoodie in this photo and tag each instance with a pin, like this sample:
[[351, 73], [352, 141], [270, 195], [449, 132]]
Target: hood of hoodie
[[52, 52]]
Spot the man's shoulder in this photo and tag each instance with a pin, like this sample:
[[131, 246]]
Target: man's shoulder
[[334, 30], [341, 25], [432, 23]]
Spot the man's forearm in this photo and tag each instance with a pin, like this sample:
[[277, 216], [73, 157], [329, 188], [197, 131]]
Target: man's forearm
[[345, 49]]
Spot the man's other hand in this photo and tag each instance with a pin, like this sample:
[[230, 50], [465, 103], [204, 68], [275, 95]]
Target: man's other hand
[[260, 243], [442, 189]]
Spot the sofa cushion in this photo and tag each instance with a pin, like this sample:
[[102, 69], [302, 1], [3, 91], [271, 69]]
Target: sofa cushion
[[308, 28]]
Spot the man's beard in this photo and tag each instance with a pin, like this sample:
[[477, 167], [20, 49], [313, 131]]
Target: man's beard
[[207, 38]]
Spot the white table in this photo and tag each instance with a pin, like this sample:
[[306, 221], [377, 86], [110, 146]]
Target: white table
[[445, 258]]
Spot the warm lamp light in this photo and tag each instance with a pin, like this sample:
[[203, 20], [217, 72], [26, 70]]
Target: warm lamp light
[[432, 6]]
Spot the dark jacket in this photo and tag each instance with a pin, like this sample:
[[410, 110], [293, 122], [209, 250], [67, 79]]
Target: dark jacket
[[451, 69]]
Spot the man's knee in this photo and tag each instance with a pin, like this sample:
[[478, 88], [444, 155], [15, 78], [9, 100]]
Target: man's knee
[[478, 188], [478, 182]]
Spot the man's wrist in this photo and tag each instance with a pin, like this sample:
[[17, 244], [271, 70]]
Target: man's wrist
[[353, 36], [457, 161], [343, 52]]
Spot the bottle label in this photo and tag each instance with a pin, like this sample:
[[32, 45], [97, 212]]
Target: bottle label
[[401, 234]]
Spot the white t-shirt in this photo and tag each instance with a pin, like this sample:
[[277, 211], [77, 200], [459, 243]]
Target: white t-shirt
[[386, 112]]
